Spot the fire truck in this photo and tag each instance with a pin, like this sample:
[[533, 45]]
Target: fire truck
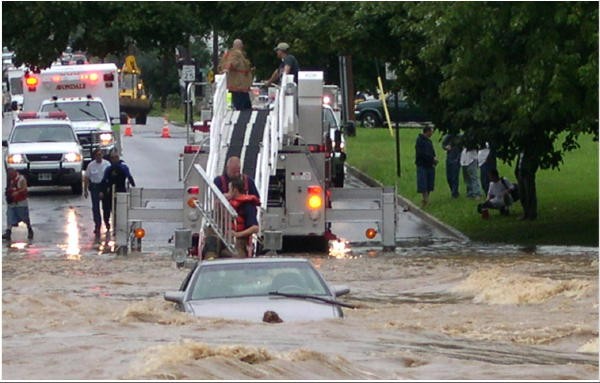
[[88, 93], [289, 150]]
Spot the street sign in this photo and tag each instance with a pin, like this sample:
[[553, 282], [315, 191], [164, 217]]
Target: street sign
[[188, 73]]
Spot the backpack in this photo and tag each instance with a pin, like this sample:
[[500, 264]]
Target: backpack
[[514, 192]]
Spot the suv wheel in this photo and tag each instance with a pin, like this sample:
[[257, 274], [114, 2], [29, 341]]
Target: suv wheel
[[370, 120]]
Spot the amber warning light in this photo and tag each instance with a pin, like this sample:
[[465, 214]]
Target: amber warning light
[[315, 199], [370, 233], [139, 233]]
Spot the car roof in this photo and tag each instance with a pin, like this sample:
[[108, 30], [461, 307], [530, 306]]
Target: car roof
[[253, 260]]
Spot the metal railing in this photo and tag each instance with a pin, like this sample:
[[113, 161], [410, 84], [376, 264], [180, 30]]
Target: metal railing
[[214, 207]]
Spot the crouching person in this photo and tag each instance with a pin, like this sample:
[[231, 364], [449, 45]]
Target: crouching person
[[246, 222], [498, 196]]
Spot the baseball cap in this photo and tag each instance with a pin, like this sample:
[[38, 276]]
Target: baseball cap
[[282, 47]]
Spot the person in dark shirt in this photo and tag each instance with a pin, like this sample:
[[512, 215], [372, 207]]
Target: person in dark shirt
[[213, 246], [115, 175], [288, 65], [453, 148], [425, 160], [246, 223]]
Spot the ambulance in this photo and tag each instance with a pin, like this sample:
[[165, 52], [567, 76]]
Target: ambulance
[[88, 94]]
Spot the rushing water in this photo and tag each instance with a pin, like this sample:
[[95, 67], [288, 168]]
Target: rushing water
[[433, 312]]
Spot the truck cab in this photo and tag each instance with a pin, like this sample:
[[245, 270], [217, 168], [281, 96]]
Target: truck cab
[[45, 149]]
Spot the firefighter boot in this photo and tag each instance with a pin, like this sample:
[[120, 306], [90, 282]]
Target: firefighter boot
[[6, 235], [29, 233]]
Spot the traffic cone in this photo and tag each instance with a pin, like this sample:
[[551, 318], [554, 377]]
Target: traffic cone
[[165, 129], [128, 130]]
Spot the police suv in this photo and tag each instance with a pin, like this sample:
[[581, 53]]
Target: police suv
[[44, 148]]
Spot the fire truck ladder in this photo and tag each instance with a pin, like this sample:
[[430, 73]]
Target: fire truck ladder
[[252, 136]]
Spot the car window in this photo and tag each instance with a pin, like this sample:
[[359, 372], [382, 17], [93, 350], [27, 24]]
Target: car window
[[43, 133], [255, 279], [78, 111]]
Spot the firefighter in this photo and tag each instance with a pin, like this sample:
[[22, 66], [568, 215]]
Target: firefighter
[[213, 246], [239, 75], [246, 222], [288, 65]]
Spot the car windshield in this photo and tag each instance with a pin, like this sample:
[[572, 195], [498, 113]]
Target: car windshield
[[256, 279], [43, 133], [78, 111]]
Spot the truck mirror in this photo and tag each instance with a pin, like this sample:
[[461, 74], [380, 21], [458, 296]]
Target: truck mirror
[[5, 143]]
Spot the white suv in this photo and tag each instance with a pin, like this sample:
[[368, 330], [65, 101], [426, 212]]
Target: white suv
[[45, 149]]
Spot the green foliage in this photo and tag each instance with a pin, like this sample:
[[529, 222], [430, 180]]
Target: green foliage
[[568, 199]]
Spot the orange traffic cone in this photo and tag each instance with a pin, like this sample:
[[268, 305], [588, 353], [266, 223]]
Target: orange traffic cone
[[165, 129], [128, 130]]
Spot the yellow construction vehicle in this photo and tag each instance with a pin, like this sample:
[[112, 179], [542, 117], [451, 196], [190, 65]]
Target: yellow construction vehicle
[[133, 101]]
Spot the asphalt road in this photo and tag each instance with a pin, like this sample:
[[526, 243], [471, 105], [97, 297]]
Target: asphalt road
[[63, 221]]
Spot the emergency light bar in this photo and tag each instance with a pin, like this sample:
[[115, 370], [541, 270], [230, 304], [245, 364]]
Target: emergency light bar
[[32, 115], [71, 80]]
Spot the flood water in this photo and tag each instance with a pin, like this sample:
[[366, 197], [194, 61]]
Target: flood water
[[436, 312]]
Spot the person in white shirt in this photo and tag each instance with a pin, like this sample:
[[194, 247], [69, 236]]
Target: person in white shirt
[[468, 162], [498, 196], [93, 181]]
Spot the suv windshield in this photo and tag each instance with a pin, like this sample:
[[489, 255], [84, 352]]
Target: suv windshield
[[43, 133], [78, 111]]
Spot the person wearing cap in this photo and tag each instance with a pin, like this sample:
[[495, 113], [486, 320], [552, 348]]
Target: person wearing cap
[[239, 75], [288, 65]]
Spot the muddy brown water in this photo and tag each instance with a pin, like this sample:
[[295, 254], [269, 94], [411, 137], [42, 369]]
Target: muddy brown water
[[432, 312]]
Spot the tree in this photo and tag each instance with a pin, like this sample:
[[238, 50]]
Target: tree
[[522, 76]]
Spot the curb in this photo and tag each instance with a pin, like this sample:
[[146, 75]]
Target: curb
[[412, 207]]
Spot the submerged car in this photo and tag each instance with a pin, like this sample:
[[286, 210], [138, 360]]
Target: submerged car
[[253, 288]]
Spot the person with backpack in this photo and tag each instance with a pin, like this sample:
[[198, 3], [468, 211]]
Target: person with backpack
[[499, 194]]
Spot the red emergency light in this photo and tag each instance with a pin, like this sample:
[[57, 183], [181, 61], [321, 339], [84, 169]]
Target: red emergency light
[[31, 115], [193, 190], [188, 149]]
